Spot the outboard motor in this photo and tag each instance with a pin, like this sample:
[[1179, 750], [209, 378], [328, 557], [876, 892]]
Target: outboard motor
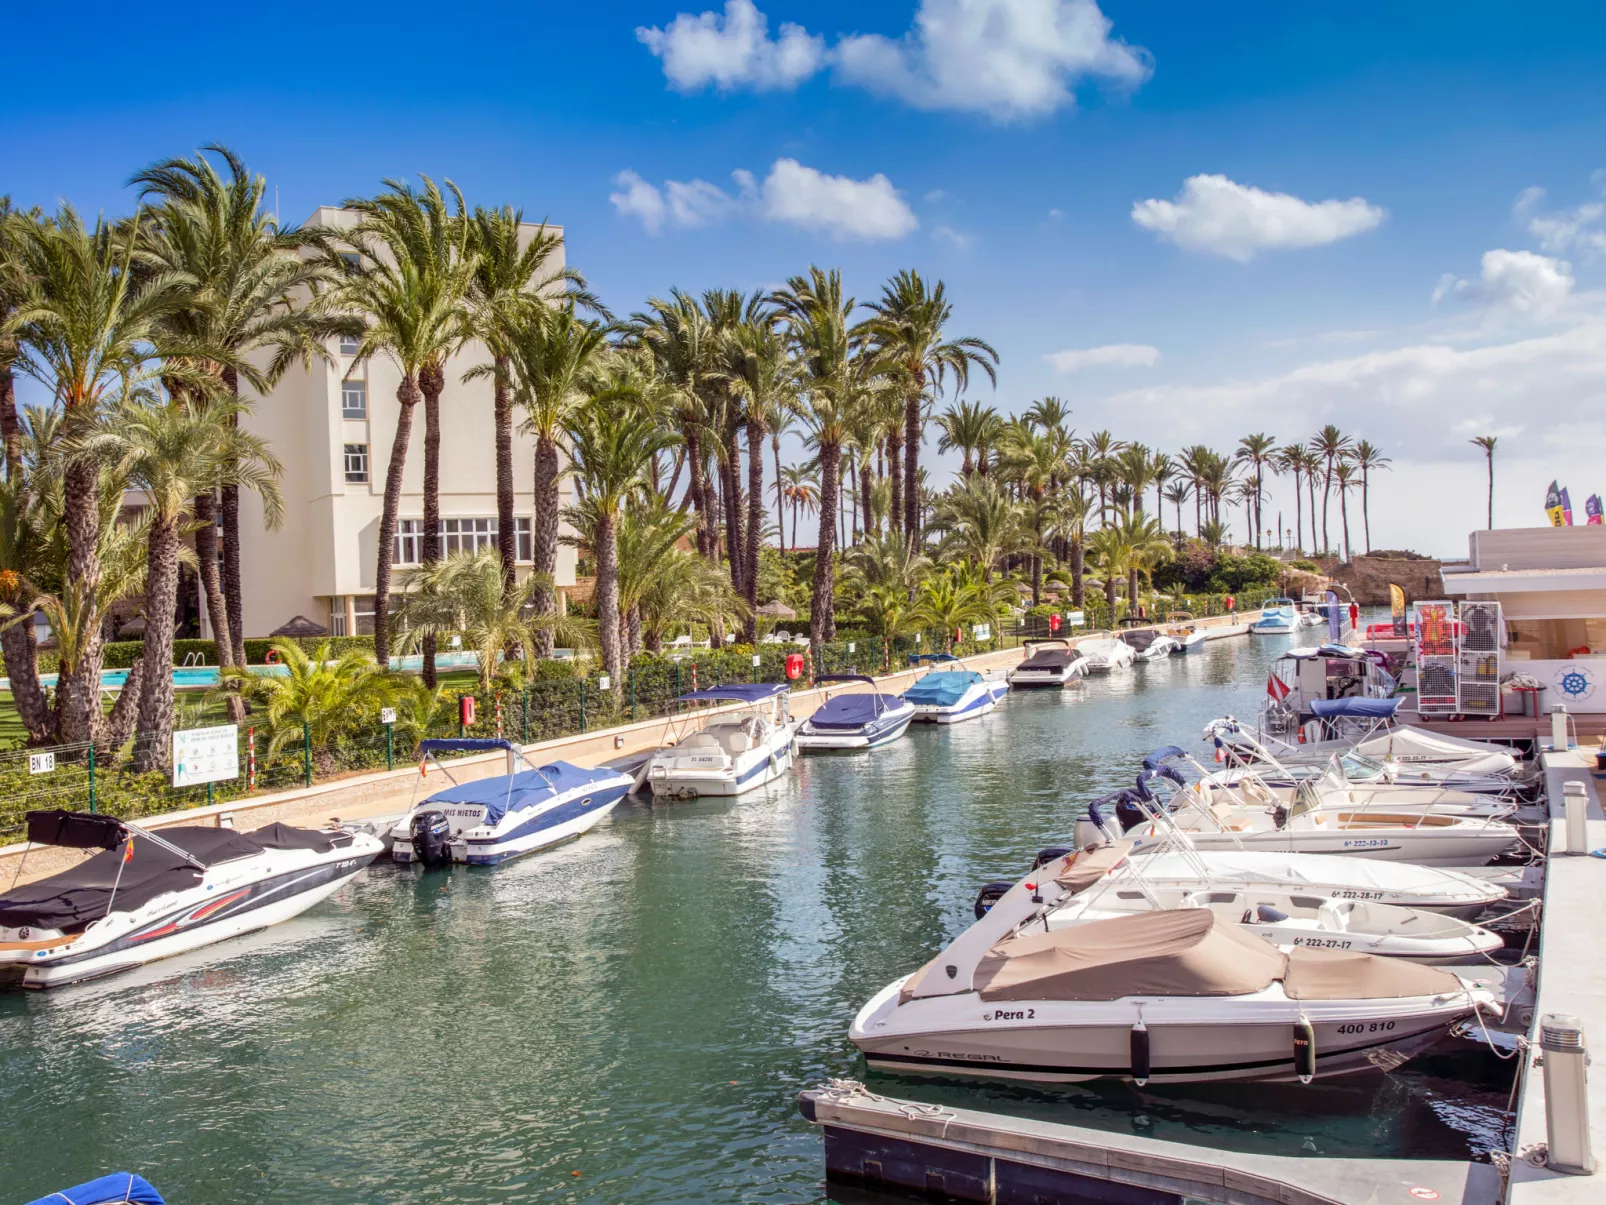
[[432, 840], [1095, 828], [1050, 853], [989, 895], [1129, 814]]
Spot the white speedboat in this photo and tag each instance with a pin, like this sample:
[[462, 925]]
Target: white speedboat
[[1106, 653], [150, 895], [1286, 918], [949, 696], [1148, 644], [1188, 636], [1278, 617], [486, 821], [727, 753], [1331, 787], [865, 719], [1048, 663], [1169, 997]]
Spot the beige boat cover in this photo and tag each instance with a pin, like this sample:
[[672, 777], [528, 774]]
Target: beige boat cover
[[1088, 866], [1348, 975], [1185, 952]]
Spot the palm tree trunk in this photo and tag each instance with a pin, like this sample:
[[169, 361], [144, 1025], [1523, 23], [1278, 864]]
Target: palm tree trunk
[[407, 395], [22, 667], [895, 475], [78, 715], [212, 590], [912, 411], [780, 502], [1366, 510], [1299, 518], [233, 589], [10, 424], [1327, 490], [432, 381], [794, 524], [822, 616], [1131, 591], [1310, 487], [966, 465], [755, 519], [1491, 491], [506, 535], [1109, 593], [544, 535], [1343, 507], [1078, 569], [694, 486], [125, 712], [608, 598], [867, 495], [154, 747]]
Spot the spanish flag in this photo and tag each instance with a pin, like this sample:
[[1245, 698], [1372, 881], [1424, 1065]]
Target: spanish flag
[[128, 852]]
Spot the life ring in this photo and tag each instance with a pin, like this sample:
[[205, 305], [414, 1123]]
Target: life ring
[[272, 658]]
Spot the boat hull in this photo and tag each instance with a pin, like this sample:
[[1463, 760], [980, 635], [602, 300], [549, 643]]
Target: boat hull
[[980, 704], [1475, 846], [683, 782]]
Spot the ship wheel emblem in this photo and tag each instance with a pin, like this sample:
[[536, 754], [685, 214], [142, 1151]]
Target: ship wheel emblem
[[1575, 684]]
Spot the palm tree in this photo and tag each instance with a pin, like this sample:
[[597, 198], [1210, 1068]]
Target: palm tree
[[1257, 452], [173, 454], [255, 292], [946, 601], [1487, 443], [1134, 469], [1367, 456], [888, 609], [661, 584], [1345, 479], [14, 285], [92, 330], [970, 427], [1290, 458], [613, 440], [887, 560], [980, 523], [512, 274], [1177, 494], [464, 594], [1330, 444], [1051, 415], [418, 256], [318, 696], [799, 486], [909, 331]]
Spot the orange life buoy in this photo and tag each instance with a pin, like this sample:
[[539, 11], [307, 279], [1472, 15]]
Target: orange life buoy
[[272, 658]]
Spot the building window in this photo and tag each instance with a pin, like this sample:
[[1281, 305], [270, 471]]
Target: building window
[[365, 615], [523, 545], [356, 463], [460, 535], [349, 344], [467, 535], [409, 542], [337, 616], [354, 399]]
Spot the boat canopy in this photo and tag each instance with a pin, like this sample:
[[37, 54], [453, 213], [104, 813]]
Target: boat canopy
[[119, 1187], [739, 692], [1355, 708], [1140, 638], [465, 744], [917, 658], [943, 688], [853, 711], [1327, 650], [505, 793], [171, 862], [1162, 755], [1087, 866], [1050, 659]]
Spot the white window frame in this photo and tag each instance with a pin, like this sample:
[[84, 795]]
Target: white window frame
[[462, 533], [366, 470], [359, 389]]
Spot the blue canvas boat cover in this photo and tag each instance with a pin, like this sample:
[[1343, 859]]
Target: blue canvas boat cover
[[739, 692], [119, 1186], [1367, 709], [465, 744], [852, 711], [943, 689], [526, 789], [1162, 755]]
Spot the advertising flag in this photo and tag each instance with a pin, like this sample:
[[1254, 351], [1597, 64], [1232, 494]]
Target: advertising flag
[[1397, 609], [1335, 620], [1592, 509], [1558, 506]]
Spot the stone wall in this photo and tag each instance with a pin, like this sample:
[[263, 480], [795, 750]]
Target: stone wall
[[1368, 578]]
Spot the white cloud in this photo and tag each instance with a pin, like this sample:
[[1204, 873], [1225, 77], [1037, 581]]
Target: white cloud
[[1216, 215], [1005, 58], [954, 238], [1578, 228], [838, 206], [1113, 355], [733, 52], [793, 194], [1518, 282]]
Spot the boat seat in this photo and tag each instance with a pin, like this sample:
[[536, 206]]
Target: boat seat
[[701, 740], [1333, 917], [738, 742]]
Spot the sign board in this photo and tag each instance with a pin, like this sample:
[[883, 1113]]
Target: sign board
[[206, 755], [41, 763], [982, 631], [1075, 619], [387, 715]]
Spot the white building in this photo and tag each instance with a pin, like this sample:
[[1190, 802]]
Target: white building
[[332, 424]]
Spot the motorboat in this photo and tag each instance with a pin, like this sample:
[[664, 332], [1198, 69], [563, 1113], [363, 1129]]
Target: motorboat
[[1306, 675], [855, 719], [486, 821], [1148, 644], [1171, 996], [1188, 636], [121, 1188], [1048, 663], [1106, 653], [1278, 617], [1218, 817], [148, 895], [949, 696], [729, 752], [1288, 918]]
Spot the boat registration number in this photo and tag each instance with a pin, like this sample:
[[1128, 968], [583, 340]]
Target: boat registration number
[[1367, 843], [1357, 895], [1323, 943], [1364, 1027]]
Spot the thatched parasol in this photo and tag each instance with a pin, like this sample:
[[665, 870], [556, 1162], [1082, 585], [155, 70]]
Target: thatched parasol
[[776, 610], [298, 627]]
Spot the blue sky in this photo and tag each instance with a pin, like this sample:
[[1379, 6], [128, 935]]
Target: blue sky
[[1258, 217]]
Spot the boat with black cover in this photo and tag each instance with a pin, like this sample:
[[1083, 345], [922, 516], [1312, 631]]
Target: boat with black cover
[[149, 895], [1049, 663], [855, 719]]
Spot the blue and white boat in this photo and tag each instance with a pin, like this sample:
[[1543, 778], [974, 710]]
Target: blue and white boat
[[490, 820], [856, 720], [120, 1187], [947, 696], [729, 752], [1278, 617]]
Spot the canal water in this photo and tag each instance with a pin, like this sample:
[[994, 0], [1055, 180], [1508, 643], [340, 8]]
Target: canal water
[[630, 1017]]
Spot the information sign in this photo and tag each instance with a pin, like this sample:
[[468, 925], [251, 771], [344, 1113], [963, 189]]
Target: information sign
[[203, 755]]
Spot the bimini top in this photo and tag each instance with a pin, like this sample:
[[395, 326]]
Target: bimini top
[[119, 1187], [465, 744], [738, 692], [917, 658], [853, 711], [1050, 659], [1356, 708], [527, 789], [1139, 638], [1326, 650], [82, 893], [943, 688]]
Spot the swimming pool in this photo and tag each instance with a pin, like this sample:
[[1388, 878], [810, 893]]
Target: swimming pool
[[199, 677]]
